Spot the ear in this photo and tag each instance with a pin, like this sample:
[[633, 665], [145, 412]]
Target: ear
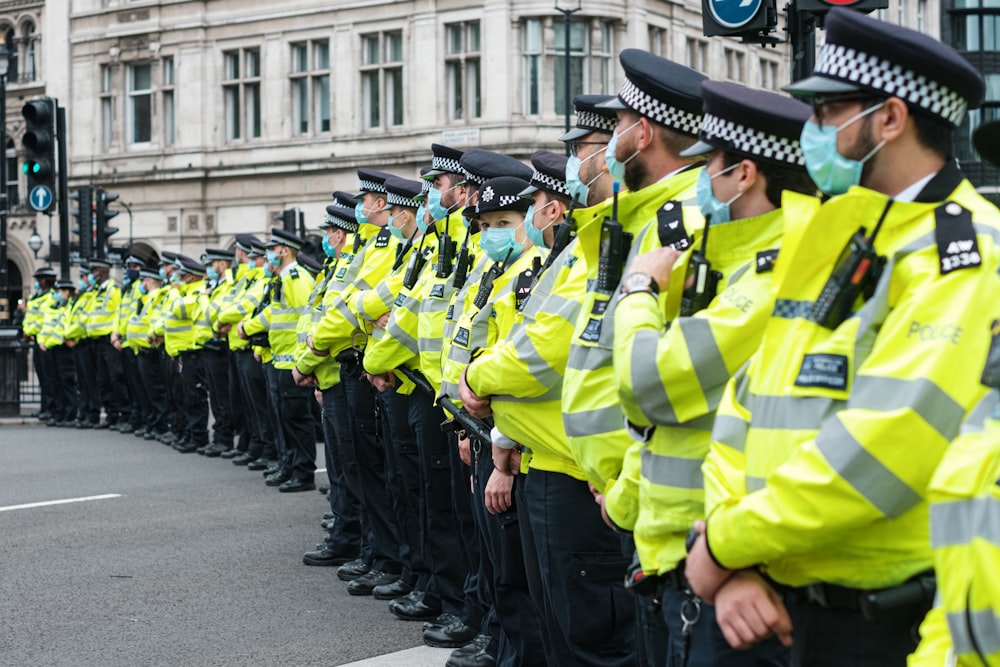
[[644, 141], [747, 175], [891, 120]]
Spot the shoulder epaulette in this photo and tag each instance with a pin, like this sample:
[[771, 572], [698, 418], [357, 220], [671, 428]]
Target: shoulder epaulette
[[670, 226], [765, 260], [958, 247]]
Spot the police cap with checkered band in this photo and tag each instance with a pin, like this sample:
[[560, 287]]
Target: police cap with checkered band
[[661, 90], [281, 237], [751, 123], [549, 175], [862, 53], [445, 160], [590, 117], [371, 180], [480, 166], [339, 215], [502, 194], [402, 192], [245, 241]]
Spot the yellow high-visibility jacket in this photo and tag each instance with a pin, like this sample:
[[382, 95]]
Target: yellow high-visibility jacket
[[126, 309], [102, 310], [592, 413], [523, 372], [281, 315], [672, 378], [245, 296], [964, 627], [137, 330], [226, 291], [825, 443], [55, 318], [481, 327], [339, 329], [184, 323], [76, 327], [34, 312]]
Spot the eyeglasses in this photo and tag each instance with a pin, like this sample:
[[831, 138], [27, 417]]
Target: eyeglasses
[[575, 145], [819, 103]]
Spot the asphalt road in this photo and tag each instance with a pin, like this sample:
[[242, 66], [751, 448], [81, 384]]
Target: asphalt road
[[196, 563]]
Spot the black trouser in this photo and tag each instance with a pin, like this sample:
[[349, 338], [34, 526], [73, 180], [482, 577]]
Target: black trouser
[[516, 613], [90, 390], [342, 471], [217, 373], [297, 424], [274, 415], [195, 396], [140, 406], [175, 395], [583, 566], [477, 597], [834, 637], [253, 384], [47, 379], [237, 408], [440, 538], [150, 364], [402, 476], [111, 379], [65, 398], [371, 473]]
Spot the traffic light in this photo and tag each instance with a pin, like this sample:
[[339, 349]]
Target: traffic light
[[288, 220], [39, 152], [104, 214], [84, 214], [823, 6], [753, 20]]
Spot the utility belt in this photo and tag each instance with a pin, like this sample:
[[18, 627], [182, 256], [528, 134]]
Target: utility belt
[[106, 338], [917, 591], [352, 362], [189, 353], [639, 583], [214, 345]]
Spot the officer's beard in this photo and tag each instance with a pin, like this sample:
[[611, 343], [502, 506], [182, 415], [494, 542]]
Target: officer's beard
[[864, 145], [636, 174]]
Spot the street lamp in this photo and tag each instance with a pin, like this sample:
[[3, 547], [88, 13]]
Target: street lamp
[[567, 9], [35, 242], [4, 277]]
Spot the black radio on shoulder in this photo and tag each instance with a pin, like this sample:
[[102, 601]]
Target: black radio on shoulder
[[413, 268], [706, 281], [856, 273], [462, 265], [615, 243]]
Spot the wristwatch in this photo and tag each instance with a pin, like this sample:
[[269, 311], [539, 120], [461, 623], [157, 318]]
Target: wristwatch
[[639, 282]]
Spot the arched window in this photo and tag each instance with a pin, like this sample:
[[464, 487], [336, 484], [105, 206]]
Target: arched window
[[30, 66], [12, 175], [10, 39]]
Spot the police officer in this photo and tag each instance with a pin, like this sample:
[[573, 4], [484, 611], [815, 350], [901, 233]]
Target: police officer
[[216, 352], [289, 297], [151, 300], [171, 371], [139, 408], [34, 316], [831, 496], [101, 318], [89, 411], [670, 378], [51, 341], [587, 177]]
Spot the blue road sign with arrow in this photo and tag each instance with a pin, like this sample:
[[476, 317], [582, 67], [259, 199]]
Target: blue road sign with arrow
[[734, 13], [40, 198]]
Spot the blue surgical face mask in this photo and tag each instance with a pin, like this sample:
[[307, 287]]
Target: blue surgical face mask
[[328, 249], [438, 210], [83, 283], [616, 167], [211, 273], [579, 190], [421, 214], [534, 234], [142, 289], [272, 258], [37, 287], [163, 273], [91, 280], [833, 173], [268, 269], [500, 244], [715, 211], [175, 277], [251, 264], [60, 298], [359, 213], [131, 275], [396, 232]]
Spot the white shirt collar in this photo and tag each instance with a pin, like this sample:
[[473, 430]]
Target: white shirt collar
[[910, 194]]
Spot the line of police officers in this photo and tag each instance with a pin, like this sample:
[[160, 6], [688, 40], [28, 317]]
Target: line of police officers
[[755, 384]]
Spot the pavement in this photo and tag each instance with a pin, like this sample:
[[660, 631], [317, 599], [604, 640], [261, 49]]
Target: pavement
[[118, 551]]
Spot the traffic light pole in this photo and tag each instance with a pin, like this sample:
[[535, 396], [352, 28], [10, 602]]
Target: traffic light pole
[[802, 35], [63, 195]]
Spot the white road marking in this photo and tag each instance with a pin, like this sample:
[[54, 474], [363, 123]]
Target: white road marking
[[319, 470], [64, 501], [422, 656]]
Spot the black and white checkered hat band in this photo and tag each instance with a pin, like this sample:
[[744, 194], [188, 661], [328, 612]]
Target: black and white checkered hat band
[[372, 186], [503, 202], [473, 179], [546, 182], [588, 120], [752, 142], [663, 113], [448, 164], [340, 223], [426, 187], [398, 200], [847, 64]]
